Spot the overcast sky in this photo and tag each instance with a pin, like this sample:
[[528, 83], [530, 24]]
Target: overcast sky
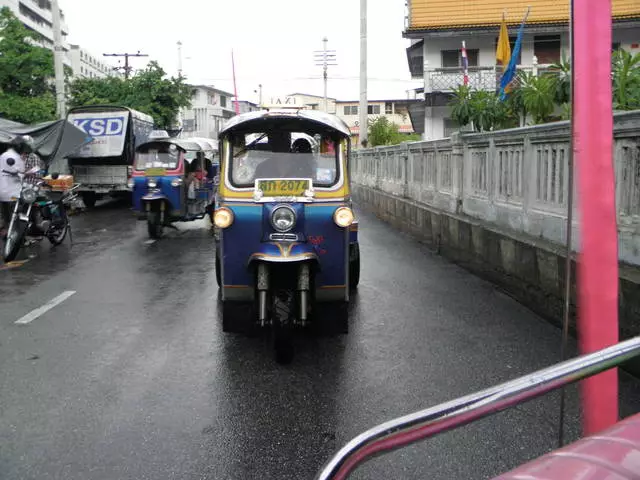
[[273, 42]]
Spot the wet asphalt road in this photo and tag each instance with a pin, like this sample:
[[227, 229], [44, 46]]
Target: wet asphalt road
[[132, 377]]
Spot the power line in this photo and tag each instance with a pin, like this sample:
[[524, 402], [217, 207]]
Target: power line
[[127, 69]]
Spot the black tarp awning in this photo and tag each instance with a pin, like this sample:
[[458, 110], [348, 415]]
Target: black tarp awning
[[54, 140]]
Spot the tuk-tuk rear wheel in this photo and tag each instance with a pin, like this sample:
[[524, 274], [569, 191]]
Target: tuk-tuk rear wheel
[[354, 266], [218, 272]]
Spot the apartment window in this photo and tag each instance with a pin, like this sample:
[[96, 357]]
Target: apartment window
[[512, 44], [546, 48], [416, 65], [223, 101], [373, 109], [388, 108], [351, 110], [453, 58]]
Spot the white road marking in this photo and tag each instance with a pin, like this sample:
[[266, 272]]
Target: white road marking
[[150, 242], [31, 316]]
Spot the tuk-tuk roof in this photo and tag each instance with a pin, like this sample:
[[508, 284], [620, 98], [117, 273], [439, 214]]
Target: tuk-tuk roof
[[186, 144], [205, 143], [312, 121]]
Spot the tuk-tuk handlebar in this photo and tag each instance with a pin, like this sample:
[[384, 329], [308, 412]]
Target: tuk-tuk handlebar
[[424, 424]]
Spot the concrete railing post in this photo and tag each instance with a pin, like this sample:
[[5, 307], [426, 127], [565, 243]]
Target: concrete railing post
[[457, 163]]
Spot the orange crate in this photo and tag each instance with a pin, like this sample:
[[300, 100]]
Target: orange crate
[[63, 182]]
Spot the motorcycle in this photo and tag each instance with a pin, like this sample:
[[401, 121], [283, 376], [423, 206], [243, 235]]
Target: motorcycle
[[38, 212]]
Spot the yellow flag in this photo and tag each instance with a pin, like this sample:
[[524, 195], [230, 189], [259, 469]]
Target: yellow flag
[[503, 52]]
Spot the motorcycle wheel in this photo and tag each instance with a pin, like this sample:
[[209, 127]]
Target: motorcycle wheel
[[57, 236], [14, 241], [154, 227], [283, 309]]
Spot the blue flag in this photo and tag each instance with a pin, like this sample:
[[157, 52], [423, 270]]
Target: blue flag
[[510, 71]]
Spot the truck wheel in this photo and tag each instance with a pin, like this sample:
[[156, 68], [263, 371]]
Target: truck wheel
[[89, 199]]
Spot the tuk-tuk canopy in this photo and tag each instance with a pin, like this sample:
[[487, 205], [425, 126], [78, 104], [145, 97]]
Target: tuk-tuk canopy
[[309, 121], [184, 144]]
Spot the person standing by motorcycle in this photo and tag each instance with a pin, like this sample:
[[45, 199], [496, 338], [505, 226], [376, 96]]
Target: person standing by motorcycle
[[18, 158]]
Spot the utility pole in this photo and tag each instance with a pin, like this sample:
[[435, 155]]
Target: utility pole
[[323, 59], [180, 119], [364, 125], [259, 92], [179, 59], [58, 61], [127, 69]]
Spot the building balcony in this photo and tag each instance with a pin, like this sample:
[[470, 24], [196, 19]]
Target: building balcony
[[480, 78]]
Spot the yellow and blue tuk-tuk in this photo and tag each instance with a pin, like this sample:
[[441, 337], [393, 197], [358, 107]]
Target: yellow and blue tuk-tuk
[[286, 245], [174, 180]]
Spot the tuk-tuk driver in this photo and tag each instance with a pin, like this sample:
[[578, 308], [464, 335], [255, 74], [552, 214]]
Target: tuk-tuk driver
[[284, 166]]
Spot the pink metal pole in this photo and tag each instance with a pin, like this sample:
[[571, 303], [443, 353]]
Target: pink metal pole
[[235, 88], [598, 262]]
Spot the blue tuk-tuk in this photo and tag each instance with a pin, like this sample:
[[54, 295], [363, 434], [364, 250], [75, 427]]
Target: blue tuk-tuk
[[286, 242], [174, 180]]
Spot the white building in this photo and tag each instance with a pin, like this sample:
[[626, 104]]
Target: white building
[[86, 65], [245, 106], [396, 111], [36, 15], [210, 109], [437, 29]]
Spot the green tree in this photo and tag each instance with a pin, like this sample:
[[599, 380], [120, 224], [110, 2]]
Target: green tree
[[26, 70], [483, 109], [383, 132], [626, 80], [538, 96], [149, 91]]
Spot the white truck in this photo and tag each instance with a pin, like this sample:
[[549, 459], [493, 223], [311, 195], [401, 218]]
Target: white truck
[[104, 166]]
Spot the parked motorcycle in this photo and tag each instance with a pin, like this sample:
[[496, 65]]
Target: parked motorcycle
[[38, 212]]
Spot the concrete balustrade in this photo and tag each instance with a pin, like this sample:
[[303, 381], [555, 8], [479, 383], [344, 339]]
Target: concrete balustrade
[[497, 203]]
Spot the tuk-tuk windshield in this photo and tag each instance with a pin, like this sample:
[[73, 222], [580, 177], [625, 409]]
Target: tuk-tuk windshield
[[283, 155], [158, 156]]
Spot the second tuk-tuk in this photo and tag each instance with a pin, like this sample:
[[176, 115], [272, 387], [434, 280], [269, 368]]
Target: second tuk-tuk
[[286, 245], [174, 180]]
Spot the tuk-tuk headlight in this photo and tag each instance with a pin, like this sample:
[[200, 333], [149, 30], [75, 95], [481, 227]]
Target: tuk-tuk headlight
[[29, 194], [223, 217], [176, 182], [283, 219], [152, 183], [343, 217]]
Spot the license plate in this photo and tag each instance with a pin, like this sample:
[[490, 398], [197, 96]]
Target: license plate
[[292, 187], [155, 172]]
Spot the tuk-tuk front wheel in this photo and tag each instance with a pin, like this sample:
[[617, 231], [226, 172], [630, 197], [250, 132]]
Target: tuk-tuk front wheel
[[282, 315], [154, 225]]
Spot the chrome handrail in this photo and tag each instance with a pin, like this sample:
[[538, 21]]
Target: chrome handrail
[[420, 425]]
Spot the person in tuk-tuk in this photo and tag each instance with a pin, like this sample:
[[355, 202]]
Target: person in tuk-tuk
[[285, 166]]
